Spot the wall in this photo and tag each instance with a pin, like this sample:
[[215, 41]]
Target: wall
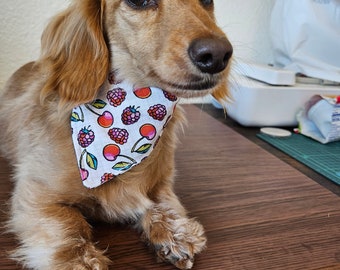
[[21, 25], [22, 22], [246, 24]]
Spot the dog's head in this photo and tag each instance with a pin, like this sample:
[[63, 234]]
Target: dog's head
[[171, 44]]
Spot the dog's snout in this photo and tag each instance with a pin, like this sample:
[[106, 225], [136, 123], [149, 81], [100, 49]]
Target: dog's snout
[[210, 55]]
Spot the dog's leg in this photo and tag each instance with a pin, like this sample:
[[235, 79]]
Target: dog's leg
[[175, 237], [53, 236]]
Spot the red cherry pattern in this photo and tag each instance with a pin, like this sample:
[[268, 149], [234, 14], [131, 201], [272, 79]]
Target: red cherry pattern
[[111, 152], [148, 131], [84, 174], [142, 92], [105, 120]]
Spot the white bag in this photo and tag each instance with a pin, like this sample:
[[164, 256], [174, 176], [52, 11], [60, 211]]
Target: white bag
[[320, 119], [306, 37]]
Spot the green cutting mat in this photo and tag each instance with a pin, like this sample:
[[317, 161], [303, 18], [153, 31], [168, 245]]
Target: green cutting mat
[[324, 159]]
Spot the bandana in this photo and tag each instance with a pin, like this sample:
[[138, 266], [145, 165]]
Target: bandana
[[118, 130]]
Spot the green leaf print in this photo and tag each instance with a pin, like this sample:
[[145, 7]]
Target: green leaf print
[[144, 148], [122, 166], [99, 104], [91, 161]]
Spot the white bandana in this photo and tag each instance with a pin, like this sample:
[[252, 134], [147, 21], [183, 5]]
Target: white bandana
[[118, 130]]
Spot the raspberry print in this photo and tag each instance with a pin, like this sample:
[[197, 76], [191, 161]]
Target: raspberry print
[[116, 96], [169, 96], [119, 135], [107, 177], [85, 137], [157, 112], [130, 115]]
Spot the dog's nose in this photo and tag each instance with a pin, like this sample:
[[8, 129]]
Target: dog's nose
[[210, 55]]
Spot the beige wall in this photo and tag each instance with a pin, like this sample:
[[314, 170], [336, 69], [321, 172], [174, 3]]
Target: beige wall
[[22, 21], [21, 25], [246, 22]]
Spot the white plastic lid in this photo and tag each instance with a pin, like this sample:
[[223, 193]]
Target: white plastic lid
[[275, 132]]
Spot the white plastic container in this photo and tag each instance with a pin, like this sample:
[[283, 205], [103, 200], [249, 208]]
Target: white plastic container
[[258, 104]]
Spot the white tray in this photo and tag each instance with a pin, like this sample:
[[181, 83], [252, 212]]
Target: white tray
[[258, 104]]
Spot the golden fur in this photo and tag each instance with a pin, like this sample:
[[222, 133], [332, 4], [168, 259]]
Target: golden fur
[[79, 47]]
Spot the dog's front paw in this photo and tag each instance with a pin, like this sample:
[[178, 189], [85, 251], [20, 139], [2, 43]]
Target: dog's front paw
[[177, 241], [83, 256]]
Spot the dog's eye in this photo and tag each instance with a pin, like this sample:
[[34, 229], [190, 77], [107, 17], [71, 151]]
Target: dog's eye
[[142, 4], [207, 3]]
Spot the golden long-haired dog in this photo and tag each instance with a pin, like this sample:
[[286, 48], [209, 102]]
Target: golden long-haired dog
[[173, 45]]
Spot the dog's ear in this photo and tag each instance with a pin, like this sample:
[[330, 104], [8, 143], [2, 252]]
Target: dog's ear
[[75, 53]]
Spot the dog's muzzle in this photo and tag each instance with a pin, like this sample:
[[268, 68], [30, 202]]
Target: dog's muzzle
[[210, 55]]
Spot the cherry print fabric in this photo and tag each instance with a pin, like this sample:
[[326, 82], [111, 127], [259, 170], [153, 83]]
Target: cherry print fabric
[[118, 130]]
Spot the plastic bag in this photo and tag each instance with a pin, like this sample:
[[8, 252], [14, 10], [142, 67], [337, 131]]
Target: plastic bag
[[320, 119], [306, 37]]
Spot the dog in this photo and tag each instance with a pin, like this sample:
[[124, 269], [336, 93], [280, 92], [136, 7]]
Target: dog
[[174, 45]]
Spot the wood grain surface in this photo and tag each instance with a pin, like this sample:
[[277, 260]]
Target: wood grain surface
[[258, 211]]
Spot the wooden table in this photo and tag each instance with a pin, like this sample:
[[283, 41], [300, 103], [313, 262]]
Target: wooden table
[[258, 211]]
